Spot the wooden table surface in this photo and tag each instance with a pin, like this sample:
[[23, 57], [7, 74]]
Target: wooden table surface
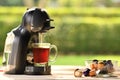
[[58, 72]]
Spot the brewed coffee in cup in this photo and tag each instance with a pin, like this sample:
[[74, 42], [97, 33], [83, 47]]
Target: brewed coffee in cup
[[41, 52]]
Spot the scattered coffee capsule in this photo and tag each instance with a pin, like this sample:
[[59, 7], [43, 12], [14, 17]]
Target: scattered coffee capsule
[[86, 72], [92, 73], [78, 73], [100, 65]]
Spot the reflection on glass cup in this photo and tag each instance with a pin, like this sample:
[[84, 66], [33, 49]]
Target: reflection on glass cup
[[41, 53]]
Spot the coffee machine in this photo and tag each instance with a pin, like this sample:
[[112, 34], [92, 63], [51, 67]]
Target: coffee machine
[[35, 21]]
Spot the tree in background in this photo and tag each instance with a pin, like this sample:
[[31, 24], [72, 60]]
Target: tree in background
[[28, 3], [31, 3], [61, 3], [11, 3]]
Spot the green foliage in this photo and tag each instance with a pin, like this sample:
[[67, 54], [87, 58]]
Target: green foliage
[[88, 38], [12, 10], [85, 12], [85, 3], [76, 30]]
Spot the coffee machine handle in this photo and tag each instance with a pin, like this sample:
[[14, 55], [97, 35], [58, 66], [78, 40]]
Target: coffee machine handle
[[55, 53]]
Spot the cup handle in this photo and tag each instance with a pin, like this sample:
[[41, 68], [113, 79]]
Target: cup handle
[[55, 54]]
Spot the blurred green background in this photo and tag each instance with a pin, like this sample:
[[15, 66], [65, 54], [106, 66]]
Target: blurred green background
[[82, 27]]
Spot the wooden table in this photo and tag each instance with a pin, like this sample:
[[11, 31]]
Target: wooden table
[[58, 72]]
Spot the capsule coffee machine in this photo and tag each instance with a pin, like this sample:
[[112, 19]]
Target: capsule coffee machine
[[35, 21]]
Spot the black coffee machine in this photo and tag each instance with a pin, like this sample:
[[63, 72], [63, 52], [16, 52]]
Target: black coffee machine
[[35, 21]]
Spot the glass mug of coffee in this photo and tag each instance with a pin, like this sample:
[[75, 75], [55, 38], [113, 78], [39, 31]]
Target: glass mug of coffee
[[42, 52]]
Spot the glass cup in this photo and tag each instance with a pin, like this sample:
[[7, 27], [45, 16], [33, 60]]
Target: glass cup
[[42, 53]]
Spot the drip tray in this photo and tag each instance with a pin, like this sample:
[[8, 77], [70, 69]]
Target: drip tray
[[42, 70]]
